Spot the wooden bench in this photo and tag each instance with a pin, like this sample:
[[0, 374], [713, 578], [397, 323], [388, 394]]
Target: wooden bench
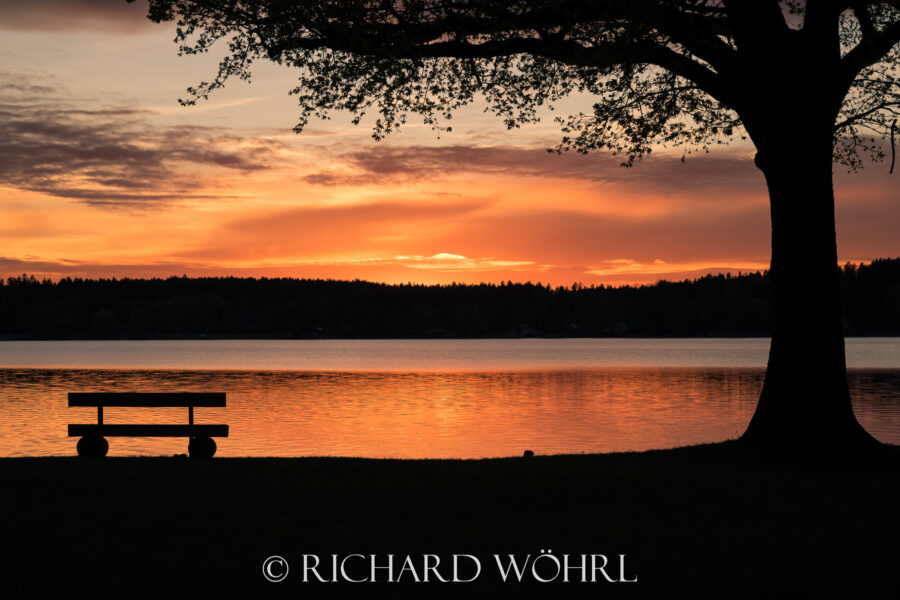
[[93, 436]]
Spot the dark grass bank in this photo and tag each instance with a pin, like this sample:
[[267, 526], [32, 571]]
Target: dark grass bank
[[694, 522]]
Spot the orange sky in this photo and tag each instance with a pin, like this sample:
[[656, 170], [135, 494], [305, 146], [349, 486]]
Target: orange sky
[[102, 173]]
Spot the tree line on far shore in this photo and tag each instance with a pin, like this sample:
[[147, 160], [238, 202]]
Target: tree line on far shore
[[231, 307]]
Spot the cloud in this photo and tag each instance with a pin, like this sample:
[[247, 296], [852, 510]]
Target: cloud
[[423, 269], [114, 16], [55, 269], [447, 262], [569, 237], [111, 156], [373, 229], [349, 268], [430, 235], [660, 174], [22, 84], [656, 268]]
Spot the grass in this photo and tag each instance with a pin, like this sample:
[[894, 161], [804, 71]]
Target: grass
[[698, 522]]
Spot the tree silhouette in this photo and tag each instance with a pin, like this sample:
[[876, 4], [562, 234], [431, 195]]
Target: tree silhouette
[[808, 82]]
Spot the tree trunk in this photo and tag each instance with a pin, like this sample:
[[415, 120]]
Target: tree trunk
[[804, 407]]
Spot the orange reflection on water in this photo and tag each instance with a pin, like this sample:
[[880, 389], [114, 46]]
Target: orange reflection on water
[[422, 414], [408, 415]]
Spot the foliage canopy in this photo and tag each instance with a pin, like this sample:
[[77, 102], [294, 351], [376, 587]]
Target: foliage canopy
[[671, 72]]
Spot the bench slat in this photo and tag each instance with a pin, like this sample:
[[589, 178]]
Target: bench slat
[[78, 430], [149, 399]]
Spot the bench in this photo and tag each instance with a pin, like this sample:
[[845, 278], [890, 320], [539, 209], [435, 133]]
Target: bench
[[93, 436]]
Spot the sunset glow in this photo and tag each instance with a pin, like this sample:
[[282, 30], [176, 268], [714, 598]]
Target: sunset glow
[[103, 174]]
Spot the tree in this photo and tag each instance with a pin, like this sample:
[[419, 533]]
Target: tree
[[808, 82]]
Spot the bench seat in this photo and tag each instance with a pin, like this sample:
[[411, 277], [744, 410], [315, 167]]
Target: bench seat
[[150, 430]]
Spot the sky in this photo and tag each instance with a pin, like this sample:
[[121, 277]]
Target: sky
[[104, 174]]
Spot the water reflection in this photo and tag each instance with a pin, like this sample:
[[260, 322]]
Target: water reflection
[[421, 414]]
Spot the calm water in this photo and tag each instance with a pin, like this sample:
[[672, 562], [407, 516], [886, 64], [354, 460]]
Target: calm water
[[420, 398]]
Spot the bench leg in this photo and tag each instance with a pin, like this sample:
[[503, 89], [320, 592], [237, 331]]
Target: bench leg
[[92, 446], [201, 447]]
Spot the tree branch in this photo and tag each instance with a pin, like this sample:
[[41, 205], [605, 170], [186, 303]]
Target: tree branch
[[874, 46], [649, 39]]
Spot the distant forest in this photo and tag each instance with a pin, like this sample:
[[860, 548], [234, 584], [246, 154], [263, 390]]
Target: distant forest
[[229, 307]]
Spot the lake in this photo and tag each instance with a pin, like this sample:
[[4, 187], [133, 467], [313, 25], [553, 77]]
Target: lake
[[420, 398]]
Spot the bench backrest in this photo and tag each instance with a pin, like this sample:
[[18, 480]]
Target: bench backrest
[[149, 399]]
